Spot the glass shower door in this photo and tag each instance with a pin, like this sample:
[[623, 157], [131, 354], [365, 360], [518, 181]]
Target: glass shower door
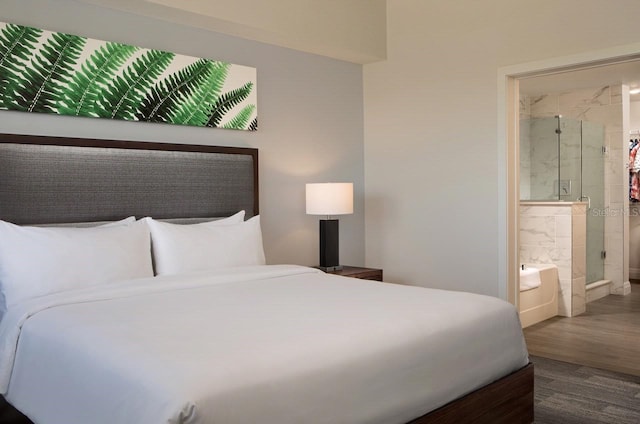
[[539, 161], [570, 182], [593, 137]]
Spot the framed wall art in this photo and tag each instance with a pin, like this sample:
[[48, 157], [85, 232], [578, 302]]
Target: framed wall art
[[53, 72]]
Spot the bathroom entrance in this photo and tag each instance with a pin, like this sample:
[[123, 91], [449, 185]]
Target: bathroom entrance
[[562, 160], [610, 75], [562, 191]]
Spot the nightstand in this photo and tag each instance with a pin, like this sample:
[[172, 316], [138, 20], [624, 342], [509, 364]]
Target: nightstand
[[359, 272]]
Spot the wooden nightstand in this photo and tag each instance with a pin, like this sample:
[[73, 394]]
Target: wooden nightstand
[[359, 272]]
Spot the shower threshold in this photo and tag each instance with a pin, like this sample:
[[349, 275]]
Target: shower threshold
[[598, 289]]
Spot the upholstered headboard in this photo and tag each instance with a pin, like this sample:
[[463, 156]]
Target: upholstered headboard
[[53, 180]]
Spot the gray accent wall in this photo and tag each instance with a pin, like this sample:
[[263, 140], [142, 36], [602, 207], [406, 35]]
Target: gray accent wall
[[310, 118]]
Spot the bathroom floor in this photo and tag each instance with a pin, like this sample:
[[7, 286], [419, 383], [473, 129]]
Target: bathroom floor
[[607, 336]]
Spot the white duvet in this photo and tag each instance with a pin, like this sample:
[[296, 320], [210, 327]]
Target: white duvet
[[269, 344]]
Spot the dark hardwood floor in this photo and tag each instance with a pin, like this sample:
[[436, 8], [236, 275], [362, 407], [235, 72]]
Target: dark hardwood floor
[[607, 336], [576, 394]]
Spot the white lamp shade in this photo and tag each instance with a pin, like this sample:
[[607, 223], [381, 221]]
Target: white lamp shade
[[329, 198]]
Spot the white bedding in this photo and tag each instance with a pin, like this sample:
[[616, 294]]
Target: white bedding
[[268, 344]]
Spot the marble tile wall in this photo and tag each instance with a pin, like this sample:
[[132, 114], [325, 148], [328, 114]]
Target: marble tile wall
[[525, 149], [602, 105], [556, 234], [525, 162], [578, 258]]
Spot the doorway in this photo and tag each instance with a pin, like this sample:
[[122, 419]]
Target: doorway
[[622, 69], [622, 64]]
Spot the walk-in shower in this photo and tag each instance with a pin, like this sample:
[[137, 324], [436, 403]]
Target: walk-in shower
[[562, 160]]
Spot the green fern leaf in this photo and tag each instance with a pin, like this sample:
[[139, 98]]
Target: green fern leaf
[[162, 100], [253, 126], [228, 101], [195, 108], [41, 84], [240, 121], [121, 99], [17, 44], [95, 73]]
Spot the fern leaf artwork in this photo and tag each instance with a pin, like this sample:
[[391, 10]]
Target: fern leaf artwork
[[123, 97], [65, 74], [253, 126], [41, 83], [91, 79], [228, 101], [17, 44], [195, 109], [242, 119], [161, 102]]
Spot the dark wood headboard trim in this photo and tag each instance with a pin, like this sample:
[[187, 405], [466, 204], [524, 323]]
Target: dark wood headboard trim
[[141, 145]]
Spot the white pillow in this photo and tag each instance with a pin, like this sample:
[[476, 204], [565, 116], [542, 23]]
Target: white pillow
[[90, 224], [184, 248], [233, 219], [35, 261], [126, 221]]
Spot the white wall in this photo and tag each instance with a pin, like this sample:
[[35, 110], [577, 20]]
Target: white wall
[[310, 118], [431, 155]]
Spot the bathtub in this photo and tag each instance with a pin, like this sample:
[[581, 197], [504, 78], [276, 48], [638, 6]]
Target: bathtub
[[540, 303]]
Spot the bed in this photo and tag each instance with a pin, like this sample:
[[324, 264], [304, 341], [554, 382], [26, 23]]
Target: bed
[[244, 342]]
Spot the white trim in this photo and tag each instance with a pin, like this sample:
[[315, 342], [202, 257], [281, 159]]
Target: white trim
[[503, 176], [625, 290], [506, 163], [634, 273], [569, 63]]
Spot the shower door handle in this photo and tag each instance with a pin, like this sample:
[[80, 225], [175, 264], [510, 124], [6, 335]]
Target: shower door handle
[[588, 201]]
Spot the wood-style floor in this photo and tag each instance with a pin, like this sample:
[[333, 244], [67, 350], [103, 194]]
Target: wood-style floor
[[607, 336]]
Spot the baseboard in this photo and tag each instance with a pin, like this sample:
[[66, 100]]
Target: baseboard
[[598, 290], [624, 290], [634, 273]]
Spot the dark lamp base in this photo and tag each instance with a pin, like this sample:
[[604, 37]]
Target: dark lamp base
[[329, 254], [330, 268]]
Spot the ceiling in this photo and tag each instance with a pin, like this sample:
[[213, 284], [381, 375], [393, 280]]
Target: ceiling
[[627, 73], [357, 33], [349, 30]]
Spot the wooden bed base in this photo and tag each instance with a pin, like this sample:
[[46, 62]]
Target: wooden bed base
[[505, 401]]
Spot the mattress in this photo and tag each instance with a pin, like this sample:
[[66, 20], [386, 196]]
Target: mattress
[[269, 344]]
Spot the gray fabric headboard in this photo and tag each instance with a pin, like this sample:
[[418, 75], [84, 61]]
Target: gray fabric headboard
[[53, 180]]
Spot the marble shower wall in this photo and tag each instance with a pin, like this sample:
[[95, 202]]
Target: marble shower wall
[[602, 105], [525, 160], [555, 233], [525, 148]]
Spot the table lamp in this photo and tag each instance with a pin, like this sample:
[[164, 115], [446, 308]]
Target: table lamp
[[329, 199]]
